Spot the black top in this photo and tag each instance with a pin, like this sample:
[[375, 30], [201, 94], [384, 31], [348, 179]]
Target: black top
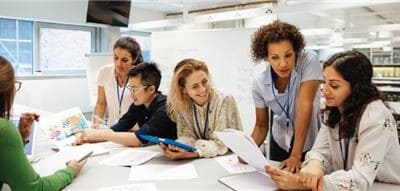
[[152, 121]]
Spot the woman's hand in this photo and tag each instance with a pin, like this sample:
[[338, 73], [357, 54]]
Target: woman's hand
[[25, 124], [311, 175], [292, 164], [176, 153], [77, 166], [284, 179]]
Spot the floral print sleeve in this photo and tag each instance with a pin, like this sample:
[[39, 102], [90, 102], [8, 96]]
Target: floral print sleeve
[[376, 128]]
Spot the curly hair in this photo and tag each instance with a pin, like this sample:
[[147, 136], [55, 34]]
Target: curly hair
[[7, 88], [275, 32], [356, 69]]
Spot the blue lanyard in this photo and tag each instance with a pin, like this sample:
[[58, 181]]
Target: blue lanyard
[[205, 130], [345, 152], [287, 104], [120, 98]]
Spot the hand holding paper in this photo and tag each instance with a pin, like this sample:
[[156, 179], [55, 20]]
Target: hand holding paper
[[244, 146]]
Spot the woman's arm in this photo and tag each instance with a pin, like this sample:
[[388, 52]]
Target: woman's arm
[[303, 112], [261, 127], [101, 106]]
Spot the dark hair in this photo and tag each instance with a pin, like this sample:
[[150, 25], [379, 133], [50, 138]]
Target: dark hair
[[148, 72], [7, 88], [275, 32], [132, 46], [356, 69]]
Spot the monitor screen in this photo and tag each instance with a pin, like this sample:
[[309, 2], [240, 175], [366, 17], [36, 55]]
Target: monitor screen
[[114, 13]]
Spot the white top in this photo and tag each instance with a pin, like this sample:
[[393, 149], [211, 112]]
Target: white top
[[108, 81], [266, 95], [376, 156]]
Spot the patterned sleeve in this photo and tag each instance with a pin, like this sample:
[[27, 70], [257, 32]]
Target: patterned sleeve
[[376, 128], [320, 150]]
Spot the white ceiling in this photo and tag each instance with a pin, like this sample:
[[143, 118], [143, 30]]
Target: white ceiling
[[354, 19]]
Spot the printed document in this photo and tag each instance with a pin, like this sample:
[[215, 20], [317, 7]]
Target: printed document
[[130, 157], [232, 164]]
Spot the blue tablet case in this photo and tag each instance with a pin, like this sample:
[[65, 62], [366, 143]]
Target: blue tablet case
[[157, 140]]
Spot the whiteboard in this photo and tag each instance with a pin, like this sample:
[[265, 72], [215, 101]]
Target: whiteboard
[[226, 53], [95, 62]]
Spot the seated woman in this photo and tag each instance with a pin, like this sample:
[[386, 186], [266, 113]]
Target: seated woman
[[16, 171], [358, 142], [199, 110]]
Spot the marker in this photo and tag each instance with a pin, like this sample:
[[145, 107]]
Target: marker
[[86, 156]]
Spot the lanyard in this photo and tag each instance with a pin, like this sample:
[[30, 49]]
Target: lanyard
[[120, 98], [205, 130], [345, 152], [287, 104]]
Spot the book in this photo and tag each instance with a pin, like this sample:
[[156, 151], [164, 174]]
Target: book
[[62, 127]]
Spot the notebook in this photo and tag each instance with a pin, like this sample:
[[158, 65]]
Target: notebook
[[29, 148]]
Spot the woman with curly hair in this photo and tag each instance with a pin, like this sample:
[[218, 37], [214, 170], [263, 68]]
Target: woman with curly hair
[[287, 87], [357, 143]]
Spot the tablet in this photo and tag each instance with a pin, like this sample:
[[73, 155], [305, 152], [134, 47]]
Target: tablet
[[29, 148], [157, 140]]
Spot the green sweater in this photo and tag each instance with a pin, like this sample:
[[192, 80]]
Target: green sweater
[[15, 169]]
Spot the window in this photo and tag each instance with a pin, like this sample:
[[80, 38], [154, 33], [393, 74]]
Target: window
[[143, 38], [46, 47], [16, 44], [62, 48]]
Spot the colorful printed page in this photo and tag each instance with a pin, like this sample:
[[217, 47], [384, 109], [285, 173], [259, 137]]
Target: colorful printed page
[[62, 127]]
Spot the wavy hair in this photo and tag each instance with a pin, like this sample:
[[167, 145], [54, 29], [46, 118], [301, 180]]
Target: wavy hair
[[7, 88], [275, 32], [356, 69], [132, 46], [178, 102]]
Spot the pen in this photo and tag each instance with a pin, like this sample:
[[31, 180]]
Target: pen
[[86, 156]]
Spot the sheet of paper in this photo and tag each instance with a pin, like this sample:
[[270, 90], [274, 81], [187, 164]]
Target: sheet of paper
[[51, 164], [95, 147], [232, 164], [162, 172], [254, 181], [62, 127], [131, 187], [130, 157], [244, 146]]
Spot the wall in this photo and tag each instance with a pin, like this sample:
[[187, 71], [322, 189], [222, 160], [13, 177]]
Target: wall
[[227, 54], [54, 94]]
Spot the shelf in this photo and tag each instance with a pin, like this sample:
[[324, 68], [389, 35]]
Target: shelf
[[388, 89], [386, 78], [389, 82], [385, 65]]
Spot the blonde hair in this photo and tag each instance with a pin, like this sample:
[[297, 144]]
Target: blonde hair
[[178, 102]]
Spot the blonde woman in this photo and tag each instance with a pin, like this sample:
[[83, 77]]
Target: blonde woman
[[199, 110]]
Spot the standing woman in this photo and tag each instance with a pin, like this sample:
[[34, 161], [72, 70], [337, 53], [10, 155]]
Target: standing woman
[[288, 87], [199, 110], [113, 97], [16, 171]]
